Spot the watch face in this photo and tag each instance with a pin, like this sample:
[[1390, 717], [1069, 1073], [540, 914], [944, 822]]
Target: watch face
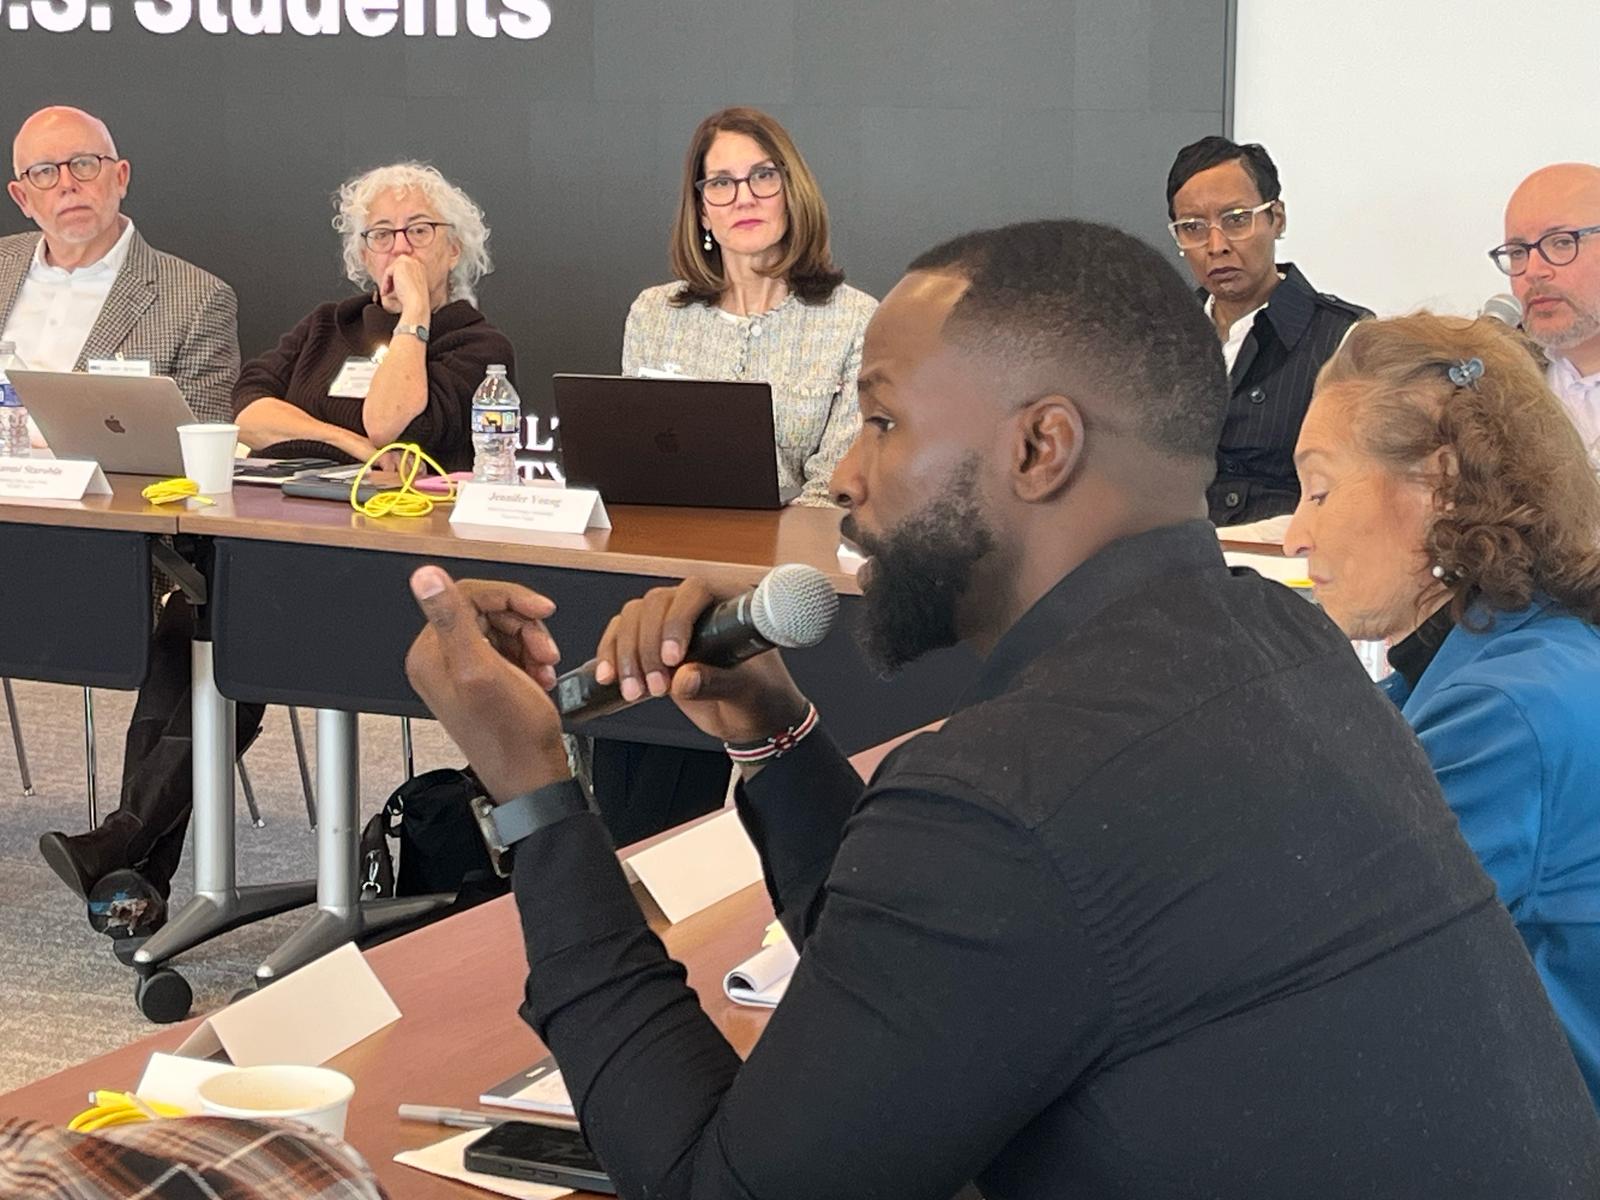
[[483, 811]]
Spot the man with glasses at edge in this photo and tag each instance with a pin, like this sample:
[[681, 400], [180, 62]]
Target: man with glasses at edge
[[87, 286], [1551, 219], [1225, 211]]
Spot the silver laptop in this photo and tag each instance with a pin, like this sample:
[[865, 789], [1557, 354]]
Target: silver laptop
[[126, 424]]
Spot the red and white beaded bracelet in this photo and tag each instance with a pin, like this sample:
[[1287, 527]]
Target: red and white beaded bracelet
[[776, 746]]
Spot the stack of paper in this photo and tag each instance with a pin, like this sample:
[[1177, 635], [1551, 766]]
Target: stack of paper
[[448, 1160], [538, 1089], [761, 980], [1267, 533]]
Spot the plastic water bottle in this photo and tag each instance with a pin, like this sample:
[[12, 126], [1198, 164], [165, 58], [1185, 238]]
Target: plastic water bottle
[[496, 421], [14, 441]]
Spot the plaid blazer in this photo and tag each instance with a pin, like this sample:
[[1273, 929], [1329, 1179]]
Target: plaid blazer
[[195, 1158], [185, 321]]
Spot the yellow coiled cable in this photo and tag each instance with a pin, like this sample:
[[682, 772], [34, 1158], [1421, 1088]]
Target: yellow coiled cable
[[404, 501], [119, 1108], [170, 491]]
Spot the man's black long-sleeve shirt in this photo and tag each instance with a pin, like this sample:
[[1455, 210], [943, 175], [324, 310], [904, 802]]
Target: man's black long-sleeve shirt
[[1171, 907]]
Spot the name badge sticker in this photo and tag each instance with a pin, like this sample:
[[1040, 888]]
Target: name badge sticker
[[125, 368], [354, 379]]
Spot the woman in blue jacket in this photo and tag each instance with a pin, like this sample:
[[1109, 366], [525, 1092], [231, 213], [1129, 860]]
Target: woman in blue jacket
[[1449, 509]]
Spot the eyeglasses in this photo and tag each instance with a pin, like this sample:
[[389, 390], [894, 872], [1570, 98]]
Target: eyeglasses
[[1558, 248], [418, 235], [1236, 224], [84, 167], [722, 190]]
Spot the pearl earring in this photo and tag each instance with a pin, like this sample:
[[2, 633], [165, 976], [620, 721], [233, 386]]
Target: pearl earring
[[706, 241]]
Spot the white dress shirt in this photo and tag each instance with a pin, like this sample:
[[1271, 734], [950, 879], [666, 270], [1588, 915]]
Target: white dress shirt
[[1580, 396], [1237, 332], [56, 308]]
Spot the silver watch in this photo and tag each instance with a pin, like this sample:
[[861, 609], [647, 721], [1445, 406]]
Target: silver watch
[[420, 332], [504, 825]]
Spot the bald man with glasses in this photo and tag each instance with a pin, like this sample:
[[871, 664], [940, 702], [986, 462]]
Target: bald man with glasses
[[87, 286], [1552, 254]]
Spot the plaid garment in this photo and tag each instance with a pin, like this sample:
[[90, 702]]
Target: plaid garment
[[185, 321], [193, 1158]]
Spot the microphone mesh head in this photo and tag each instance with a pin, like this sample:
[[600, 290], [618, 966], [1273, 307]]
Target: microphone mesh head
[[794, 605], [1504, 308]]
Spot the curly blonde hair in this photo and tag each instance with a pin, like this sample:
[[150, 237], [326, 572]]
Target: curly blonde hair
[[467, 229], [1518, 503]]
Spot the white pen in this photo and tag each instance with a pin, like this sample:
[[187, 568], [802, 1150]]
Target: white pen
[[461, 1118]]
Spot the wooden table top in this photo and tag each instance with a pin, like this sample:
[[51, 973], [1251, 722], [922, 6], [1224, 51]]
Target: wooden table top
[[733, 546], [458, 984], [125, 509]]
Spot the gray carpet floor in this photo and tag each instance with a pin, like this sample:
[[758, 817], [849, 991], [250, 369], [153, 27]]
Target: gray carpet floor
[[63, 996]]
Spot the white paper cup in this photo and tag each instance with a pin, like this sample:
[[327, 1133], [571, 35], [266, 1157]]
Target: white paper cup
[[208, 455], [314, 1096]]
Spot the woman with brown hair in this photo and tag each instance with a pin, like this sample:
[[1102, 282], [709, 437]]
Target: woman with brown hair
[[757, 295], [1448, 507]]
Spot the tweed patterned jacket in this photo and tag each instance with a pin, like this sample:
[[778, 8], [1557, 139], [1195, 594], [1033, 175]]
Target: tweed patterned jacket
[[809, 353], [185, 321]]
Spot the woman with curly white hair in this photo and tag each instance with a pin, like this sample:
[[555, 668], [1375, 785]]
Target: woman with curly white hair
[[416, 245]]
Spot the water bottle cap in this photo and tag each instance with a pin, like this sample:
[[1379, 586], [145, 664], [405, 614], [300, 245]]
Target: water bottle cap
[[497, 368]]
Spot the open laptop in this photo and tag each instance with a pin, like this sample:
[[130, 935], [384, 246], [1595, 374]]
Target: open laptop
[[694, 442], [127, 424]]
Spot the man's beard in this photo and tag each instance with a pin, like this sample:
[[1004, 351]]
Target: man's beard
[[920, 572], [1584, 325]]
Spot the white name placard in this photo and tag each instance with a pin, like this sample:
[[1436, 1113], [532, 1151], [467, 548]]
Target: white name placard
[[51, 479], [538, 508]]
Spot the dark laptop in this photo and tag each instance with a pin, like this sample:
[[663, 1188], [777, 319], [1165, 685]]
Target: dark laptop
[[695, 442]]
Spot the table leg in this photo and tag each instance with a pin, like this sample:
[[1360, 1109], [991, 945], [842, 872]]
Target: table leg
[[342, 915], [219, 904]]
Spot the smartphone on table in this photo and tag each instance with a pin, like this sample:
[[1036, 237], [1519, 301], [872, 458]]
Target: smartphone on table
[[539, 1154]]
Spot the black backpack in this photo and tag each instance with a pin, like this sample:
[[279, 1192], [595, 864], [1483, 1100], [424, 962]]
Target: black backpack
[[441, 848]]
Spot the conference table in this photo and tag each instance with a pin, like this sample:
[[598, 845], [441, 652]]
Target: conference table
[[57, 630], [305, 602], [457, 984], [75, 587]]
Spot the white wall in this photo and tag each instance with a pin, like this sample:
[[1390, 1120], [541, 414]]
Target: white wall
[[1400, 128]]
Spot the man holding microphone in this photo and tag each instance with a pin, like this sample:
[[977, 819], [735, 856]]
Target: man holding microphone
[[1170, 906]]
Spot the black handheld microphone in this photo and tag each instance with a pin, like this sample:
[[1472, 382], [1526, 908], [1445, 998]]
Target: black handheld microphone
[[792, 607]]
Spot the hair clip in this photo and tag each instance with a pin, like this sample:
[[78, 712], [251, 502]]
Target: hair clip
[[1466, 372]]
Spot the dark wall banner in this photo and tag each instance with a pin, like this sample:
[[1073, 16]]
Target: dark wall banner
[[567, 121]]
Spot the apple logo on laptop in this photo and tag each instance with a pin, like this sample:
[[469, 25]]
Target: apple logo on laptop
[[667, 442], [115, 425]]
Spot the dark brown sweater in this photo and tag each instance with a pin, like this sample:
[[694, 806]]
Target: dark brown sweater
[[300, 369]]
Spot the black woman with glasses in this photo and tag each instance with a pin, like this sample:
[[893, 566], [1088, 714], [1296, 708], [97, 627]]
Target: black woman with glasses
[[1552, 253], [398, 362], [87, 286], [757, 297], [1226, 213]]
